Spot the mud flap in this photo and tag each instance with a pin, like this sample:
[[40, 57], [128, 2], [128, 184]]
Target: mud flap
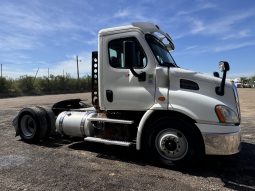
[[15, 124]]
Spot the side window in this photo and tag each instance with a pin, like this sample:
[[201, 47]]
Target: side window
[[116, 56]]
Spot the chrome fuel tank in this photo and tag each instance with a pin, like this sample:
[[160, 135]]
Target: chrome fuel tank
[[75, 123]]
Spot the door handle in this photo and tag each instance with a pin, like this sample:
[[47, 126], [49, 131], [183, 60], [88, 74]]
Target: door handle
[[109, 95]]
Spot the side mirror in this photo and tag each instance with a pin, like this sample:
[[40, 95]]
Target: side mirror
[[224, 67], [129, 53], [130, 59]]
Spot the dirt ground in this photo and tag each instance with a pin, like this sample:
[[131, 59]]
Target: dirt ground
[[65, 165]]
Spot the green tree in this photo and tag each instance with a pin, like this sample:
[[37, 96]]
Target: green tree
[[28, 85], [252, 79]]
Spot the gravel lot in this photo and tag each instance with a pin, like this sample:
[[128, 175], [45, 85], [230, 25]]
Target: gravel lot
[[73, 165]]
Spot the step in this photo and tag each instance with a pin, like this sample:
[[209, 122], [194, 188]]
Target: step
[[108, 142], [108, 120]]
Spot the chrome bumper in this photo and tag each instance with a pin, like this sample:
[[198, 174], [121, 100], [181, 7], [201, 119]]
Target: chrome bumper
[[222, 143]]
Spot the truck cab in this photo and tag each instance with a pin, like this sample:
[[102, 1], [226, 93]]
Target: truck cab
[[141, 97]]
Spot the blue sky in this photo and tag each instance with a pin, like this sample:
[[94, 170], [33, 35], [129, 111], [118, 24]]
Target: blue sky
[[50, 33]]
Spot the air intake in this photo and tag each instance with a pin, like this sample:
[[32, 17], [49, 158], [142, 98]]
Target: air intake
[[188, 84]]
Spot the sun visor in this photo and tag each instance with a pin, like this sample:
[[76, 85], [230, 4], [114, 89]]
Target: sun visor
[[151, 28]]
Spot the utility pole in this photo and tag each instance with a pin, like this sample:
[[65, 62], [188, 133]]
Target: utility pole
[[1, 71], [35, 76], [78, 74]]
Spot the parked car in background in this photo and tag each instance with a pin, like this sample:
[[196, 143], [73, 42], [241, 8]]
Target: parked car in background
[[246, 85], [238, 85]]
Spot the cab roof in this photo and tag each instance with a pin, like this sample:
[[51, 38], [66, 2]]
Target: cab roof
[[145, 27]]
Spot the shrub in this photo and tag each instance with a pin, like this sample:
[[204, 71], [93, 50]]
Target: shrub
[[4, 85], [28, 85]]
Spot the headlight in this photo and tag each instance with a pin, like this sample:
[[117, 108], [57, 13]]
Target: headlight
[[226, 115]]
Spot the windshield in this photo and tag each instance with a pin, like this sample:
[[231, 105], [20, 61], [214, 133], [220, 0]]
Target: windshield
[[160, 51]]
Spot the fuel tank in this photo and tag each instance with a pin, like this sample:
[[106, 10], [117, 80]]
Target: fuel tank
[[75, 123]]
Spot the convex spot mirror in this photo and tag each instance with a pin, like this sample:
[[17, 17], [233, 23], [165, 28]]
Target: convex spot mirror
[[216, 74]]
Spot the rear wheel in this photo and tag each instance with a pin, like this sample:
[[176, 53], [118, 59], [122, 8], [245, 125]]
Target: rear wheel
[[172, 141], [33, 124], [28, 127]]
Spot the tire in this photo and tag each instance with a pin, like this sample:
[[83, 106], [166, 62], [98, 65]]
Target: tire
[[50, 117], [171, 141], [32, 124]]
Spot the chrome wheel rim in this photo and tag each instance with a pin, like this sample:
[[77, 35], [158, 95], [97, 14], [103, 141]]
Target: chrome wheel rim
[[28, 125], [171, 144]]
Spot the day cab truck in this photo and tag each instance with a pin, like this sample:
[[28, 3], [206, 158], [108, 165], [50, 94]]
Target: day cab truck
[[141, 97]]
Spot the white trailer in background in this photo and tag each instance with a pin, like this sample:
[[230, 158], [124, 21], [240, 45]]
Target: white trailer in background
[[238, 83]]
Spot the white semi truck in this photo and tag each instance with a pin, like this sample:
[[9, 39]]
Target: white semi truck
[[141, 97]]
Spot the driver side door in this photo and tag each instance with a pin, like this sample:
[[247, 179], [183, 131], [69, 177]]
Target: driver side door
[[121, 89]]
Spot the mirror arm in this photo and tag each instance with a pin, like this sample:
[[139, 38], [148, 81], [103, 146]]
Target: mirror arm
[[225, 67], [220, 89], [133, 71], [141, 77]]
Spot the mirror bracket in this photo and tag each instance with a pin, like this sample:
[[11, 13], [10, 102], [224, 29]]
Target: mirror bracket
[[142, 77]]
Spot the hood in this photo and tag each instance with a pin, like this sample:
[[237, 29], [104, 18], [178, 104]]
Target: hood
[[191, 75], [200, 83], [189, 89]]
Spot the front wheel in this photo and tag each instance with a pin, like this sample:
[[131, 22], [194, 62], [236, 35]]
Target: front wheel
[[171, 144], [172, 141]]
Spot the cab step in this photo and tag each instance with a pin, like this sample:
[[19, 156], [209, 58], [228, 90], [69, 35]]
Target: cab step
[[108, 141]]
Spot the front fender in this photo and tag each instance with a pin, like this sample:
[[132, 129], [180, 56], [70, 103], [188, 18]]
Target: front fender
[[195, 105], [145, 117]]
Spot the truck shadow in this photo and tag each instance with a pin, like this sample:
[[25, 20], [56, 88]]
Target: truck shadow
[[237, 171]]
